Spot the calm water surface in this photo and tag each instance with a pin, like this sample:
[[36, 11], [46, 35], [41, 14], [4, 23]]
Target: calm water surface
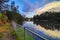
[[45, 29]]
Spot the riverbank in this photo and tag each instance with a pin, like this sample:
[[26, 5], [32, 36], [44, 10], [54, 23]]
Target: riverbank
[[6, 32], [20, 34]]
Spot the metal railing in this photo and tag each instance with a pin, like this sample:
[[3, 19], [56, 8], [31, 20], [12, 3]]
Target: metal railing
[[34, 33], [31, 33]]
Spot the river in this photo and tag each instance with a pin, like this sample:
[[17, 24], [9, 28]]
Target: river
[[46, 30]]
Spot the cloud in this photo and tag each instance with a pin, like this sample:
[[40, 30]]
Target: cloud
[[38, 6], [47, 1], [30, 6], [47, 7]]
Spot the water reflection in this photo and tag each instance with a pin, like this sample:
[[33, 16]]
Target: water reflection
[[45, 29], [54, 35], [49, 28], [49, 25]]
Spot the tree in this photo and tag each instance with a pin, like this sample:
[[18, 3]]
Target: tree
[[14, 8], [14, 16], [2, 3], [6, 7]]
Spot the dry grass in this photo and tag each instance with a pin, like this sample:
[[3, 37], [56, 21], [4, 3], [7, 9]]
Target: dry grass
[[6, 31]]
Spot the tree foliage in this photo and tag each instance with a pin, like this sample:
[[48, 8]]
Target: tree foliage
[[11, 11], [48, 16], [48, 20], [15, 17], [2, 4]]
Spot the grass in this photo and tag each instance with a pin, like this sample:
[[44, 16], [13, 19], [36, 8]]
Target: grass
[[17, 35], [5, 32], [20, 34]]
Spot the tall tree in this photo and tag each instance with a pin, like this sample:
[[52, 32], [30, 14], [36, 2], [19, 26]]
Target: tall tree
[[14, 8], [12, 5], [2, 3], [6, 7]]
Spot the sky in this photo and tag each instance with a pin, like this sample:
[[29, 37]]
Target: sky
[[53, 6], [32, 7]]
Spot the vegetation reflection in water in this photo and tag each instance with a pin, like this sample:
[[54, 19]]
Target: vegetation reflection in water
[[49, 22], [48, 29]]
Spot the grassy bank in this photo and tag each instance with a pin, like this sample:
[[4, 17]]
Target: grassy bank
[[20, 34], [7, 33]]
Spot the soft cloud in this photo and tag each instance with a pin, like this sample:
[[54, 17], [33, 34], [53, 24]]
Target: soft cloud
[[38, 6], [47, 7], [30, 6]]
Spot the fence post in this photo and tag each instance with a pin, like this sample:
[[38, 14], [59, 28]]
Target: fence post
[[24, 34]]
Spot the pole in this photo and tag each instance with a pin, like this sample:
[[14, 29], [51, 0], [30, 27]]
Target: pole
[[24, 34]]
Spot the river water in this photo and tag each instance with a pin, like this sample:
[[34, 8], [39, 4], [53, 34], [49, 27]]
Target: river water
[[46, 30]]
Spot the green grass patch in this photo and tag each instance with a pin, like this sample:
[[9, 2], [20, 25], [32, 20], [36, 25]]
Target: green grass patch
[[7, 26], [20, 34]]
